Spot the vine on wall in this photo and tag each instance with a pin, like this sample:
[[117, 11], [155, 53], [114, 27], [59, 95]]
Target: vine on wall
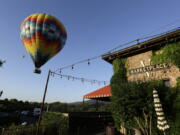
[[168, 54], [132, 102]]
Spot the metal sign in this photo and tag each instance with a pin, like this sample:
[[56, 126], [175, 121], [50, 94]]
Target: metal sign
[[149, 68]]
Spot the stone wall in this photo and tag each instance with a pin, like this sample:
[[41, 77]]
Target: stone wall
[[144, 59]]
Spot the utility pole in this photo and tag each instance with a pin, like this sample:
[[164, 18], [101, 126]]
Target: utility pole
[[42, 104]]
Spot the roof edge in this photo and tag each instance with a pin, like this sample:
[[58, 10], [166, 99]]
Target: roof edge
[[156, 42]]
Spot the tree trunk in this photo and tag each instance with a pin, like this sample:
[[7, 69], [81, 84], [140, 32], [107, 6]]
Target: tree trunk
[[137, 131], [123, 130]]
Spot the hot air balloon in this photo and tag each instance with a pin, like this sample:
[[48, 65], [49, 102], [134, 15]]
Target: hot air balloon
[[2, 62], [43, 37]]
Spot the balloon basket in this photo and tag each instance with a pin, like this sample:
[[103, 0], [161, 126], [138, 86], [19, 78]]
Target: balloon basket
[[37, 71]]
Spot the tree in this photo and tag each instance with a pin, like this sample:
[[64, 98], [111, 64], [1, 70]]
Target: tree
[[132, 102], [54, 123]]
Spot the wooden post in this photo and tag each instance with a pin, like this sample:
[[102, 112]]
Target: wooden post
[[97, 105], [42, 104], [47, 109], [83, 100], [150, 130]]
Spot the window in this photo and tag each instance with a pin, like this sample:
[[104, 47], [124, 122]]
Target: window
[[167, 83]]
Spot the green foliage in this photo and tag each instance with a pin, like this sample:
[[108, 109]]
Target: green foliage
[[58, 107], [54, 118], [55, 122], [178, 82], [119, 77], [20, 130], [8, 120], [13, 105], [105, 108], [175, 119], [52, 124], [132, 102], [79, 107], [169, 54], [119, 68]]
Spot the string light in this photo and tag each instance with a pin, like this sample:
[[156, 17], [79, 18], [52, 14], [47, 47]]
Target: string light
[[79, 62], [52, 74], [92, 81], [113, 49]]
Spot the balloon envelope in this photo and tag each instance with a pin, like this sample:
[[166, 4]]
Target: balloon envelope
[[43, 37]]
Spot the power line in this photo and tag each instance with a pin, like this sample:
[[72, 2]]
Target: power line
[[147, 35], [153, 36], [163, 27], [141, 39], [121, 45]]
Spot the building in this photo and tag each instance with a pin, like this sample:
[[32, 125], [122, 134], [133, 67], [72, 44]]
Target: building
[[138, 59], [139, 65]]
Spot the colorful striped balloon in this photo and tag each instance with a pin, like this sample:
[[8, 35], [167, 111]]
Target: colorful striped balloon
[[43, 37]]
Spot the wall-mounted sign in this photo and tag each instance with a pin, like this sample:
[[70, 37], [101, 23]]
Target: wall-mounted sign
[[149, 68]]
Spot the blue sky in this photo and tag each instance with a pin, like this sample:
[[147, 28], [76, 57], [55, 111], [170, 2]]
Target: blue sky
[[93, 27]]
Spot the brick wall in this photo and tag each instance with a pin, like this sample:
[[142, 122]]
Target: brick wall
[[143, 59]]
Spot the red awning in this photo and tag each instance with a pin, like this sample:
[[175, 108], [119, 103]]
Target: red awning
[[100, 93]]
